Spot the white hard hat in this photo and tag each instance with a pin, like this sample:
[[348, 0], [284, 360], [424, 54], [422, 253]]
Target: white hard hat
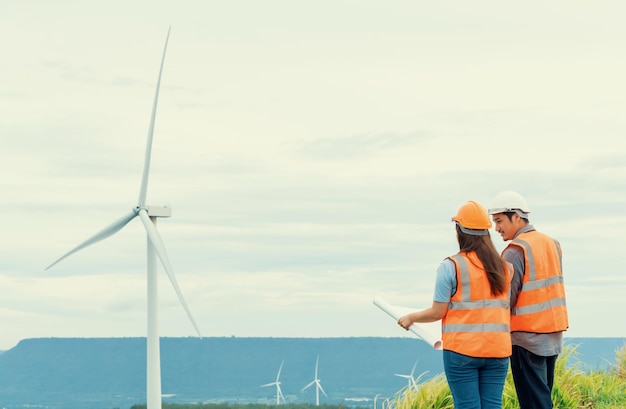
[[509, 201]]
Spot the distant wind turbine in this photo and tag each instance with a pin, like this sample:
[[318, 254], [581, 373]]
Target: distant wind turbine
[[279, 393], [148, 216], [410, 378], [318, 385]]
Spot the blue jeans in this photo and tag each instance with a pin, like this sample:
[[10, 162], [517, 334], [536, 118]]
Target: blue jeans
[[533, 376], [475, 383]]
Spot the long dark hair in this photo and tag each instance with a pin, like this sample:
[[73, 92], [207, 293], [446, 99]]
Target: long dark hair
[[488, 255]]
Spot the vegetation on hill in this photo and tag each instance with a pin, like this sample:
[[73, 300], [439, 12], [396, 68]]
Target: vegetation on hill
[[573, 388]]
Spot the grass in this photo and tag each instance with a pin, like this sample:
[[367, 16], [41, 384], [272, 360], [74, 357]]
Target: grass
[[573, 388]]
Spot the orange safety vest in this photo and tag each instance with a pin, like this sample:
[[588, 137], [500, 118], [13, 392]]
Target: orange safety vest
[[477, 322], [540, 305]]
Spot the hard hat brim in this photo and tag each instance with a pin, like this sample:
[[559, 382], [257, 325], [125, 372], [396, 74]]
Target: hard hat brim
[[472, 232], [522, 214]]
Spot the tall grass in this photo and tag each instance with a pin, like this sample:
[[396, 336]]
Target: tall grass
[[573, 387]]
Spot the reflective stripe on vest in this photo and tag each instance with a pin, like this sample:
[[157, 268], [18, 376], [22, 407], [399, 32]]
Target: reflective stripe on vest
[[471, 305], [477, 322], [477, 328], [540, 305]]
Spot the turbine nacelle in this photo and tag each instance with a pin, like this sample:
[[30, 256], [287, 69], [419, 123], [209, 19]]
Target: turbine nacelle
[[157, 211]]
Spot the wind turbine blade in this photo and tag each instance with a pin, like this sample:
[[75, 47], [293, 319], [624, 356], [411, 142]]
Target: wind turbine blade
[[322, 389], [159, 248], [307, 386], [279, 369], [316, 362], [269, 384], [101, 235], [146, 165]]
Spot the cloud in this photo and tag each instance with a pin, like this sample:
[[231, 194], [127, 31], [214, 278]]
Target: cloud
[[359, 145], [613, 163]]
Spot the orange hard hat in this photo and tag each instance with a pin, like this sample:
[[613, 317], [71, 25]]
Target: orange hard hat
[[473, 219]]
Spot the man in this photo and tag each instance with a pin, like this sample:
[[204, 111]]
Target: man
[[538, 310]]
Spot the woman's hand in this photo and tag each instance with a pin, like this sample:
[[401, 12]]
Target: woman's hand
[[436, 312], [405, 321]]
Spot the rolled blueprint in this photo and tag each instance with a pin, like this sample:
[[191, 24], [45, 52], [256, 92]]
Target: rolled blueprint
[[429, 332]]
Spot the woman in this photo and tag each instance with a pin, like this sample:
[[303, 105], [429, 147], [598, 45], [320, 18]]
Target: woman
[[472, 300]]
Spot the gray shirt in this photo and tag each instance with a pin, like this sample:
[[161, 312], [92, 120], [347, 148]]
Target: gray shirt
[[539, 344]]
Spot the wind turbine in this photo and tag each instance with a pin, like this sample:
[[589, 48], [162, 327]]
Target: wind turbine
[[411, 379], [279, 393], [148, 216], [318, 385]]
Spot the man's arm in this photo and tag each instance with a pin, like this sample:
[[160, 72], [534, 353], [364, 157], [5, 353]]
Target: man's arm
[[515, 256]]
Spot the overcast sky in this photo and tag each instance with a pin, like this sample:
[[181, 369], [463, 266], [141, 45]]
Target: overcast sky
[[312, 153]]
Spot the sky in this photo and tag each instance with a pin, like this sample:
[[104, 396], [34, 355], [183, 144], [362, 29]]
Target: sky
[[312, 152]]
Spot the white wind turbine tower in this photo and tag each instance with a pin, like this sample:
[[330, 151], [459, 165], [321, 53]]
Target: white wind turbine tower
[[279, 393], [148, 216], [318, 385], [411, 379]]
